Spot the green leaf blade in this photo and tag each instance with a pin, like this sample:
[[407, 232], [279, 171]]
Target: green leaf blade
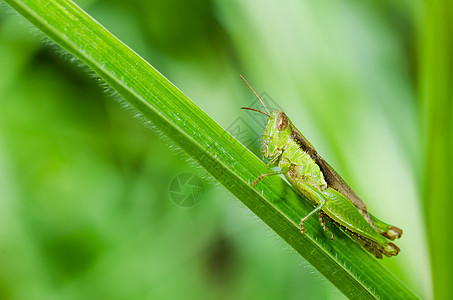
[[352, 270]]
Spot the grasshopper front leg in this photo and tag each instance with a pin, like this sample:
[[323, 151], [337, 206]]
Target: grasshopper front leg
[[272, 161], [264, 175]]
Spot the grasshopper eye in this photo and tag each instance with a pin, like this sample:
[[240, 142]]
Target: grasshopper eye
[[282, 121]]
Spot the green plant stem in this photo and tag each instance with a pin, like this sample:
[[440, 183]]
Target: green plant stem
[[352, 270], [436, 86]]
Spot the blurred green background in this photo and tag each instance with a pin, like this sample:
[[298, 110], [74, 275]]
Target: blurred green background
[[85, 209]]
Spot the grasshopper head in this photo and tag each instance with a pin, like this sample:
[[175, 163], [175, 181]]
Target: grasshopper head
[[276, 131], [275, 134]]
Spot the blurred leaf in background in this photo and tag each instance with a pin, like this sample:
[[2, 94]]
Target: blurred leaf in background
[[85, 206]]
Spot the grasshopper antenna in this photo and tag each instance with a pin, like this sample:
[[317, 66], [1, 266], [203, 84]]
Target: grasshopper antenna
[[249, 108], [268, 114]]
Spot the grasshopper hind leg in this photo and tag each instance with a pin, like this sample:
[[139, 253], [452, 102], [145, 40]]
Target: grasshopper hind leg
[[323, 224], [389, 231]]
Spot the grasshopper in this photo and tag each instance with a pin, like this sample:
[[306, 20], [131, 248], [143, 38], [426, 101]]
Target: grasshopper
[[286, 148]]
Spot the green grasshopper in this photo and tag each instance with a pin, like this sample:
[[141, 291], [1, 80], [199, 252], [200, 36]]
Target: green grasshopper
[[285, 147]]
